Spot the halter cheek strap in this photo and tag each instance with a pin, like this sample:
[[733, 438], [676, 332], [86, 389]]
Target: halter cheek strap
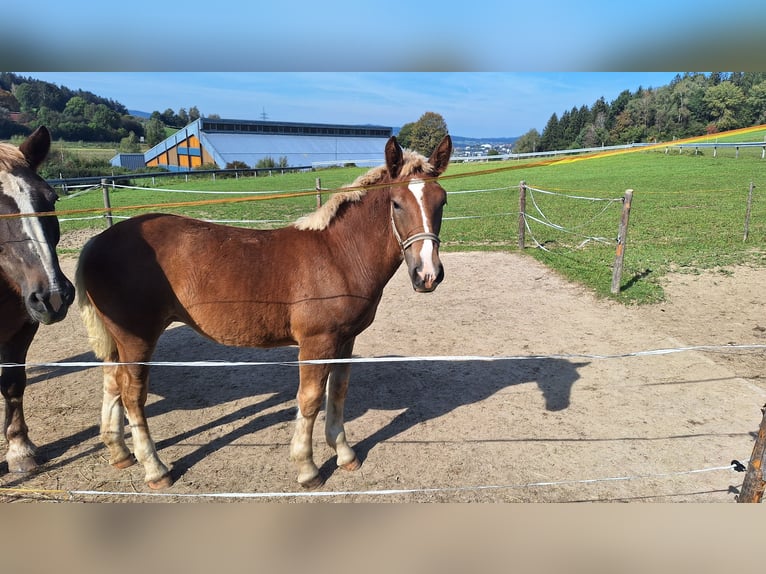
[[404, 244]]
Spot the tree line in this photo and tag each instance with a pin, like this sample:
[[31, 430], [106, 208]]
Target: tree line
[[692, 104]]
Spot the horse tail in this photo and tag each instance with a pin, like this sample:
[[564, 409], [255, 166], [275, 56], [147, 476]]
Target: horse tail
[[100, 339]]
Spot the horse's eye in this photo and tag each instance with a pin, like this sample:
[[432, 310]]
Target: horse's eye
[[396, 205]]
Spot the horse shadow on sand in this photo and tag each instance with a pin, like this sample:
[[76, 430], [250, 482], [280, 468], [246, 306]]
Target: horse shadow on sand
[[419, 391]]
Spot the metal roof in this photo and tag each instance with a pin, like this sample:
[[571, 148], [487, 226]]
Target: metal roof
[[299, 150], [250, 141]]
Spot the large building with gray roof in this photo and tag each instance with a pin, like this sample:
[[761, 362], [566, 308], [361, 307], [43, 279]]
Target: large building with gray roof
[[209, 141]]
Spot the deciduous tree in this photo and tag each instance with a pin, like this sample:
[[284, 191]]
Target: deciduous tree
[[724, 102], [155, 130], [427, 132], [527, 143]]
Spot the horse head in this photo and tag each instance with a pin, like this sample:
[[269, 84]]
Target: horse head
[[28, 260], [417, 201]]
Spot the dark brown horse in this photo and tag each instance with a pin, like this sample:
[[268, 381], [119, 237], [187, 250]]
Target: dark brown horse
[[316, 283], [33, 289]]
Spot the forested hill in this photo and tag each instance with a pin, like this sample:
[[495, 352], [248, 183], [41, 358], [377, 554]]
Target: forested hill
[[78, 115], [692, 104], [26, 103]]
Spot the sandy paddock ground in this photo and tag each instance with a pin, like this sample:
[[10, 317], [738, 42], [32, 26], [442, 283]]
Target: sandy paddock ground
[[559, 424]]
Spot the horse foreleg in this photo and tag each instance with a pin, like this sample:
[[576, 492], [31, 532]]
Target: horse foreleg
[[335, 433], [13, 381], [133, 382], [113, 421], [310, 396]]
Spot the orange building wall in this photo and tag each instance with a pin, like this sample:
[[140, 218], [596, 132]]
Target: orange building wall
[[174, 158]]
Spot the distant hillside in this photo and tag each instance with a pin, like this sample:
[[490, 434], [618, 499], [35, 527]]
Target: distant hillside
[[139, 114], [464, 141]]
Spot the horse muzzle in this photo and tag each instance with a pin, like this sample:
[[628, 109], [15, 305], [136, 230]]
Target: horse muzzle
[[50, 306], [426, 281], [425, 267]]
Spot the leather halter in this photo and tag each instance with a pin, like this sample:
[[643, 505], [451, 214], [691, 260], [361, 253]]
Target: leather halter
[[406, 243]]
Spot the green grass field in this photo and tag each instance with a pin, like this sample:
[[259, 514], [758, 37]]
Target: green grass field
[[688, 210]]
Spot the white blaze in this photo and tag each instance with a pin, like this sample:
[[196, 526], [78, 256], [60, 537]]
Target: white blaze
[[16, 190], [416, 187]]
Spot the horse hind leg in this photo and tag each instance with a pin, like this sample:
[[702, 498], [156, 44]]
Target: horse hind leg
[[335, 433], [21, 451], [113, 421], [133, 383], [125, 391]]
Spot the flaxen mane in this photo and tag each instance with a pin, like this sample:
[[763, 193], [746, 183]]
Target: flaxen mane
[[10, 157], [414, 164]]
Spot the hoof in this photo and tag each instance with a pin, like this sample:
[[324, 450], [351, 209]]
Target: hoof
[[22, 465], [164, 481], [351, 466], [124, 463], [313, 483]]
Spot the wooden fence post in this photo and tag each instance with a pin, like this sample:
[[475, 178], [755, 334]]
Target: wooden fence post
[[753, 485], [319, 192], [747, 211], [107, 203], [522, 213], [622, 236]]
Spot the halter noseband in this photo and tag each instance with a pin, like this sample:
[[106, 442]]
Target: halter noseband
[[404, 244]]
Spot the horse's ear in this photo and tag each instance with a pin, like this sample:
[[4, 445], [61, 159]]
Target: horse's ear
[[440, 157], [394, 157], [35, 148]]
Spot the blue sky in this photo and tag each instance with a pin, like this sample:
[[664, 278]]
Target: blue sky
[[391, 35], [474, 104], [491, 69]]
